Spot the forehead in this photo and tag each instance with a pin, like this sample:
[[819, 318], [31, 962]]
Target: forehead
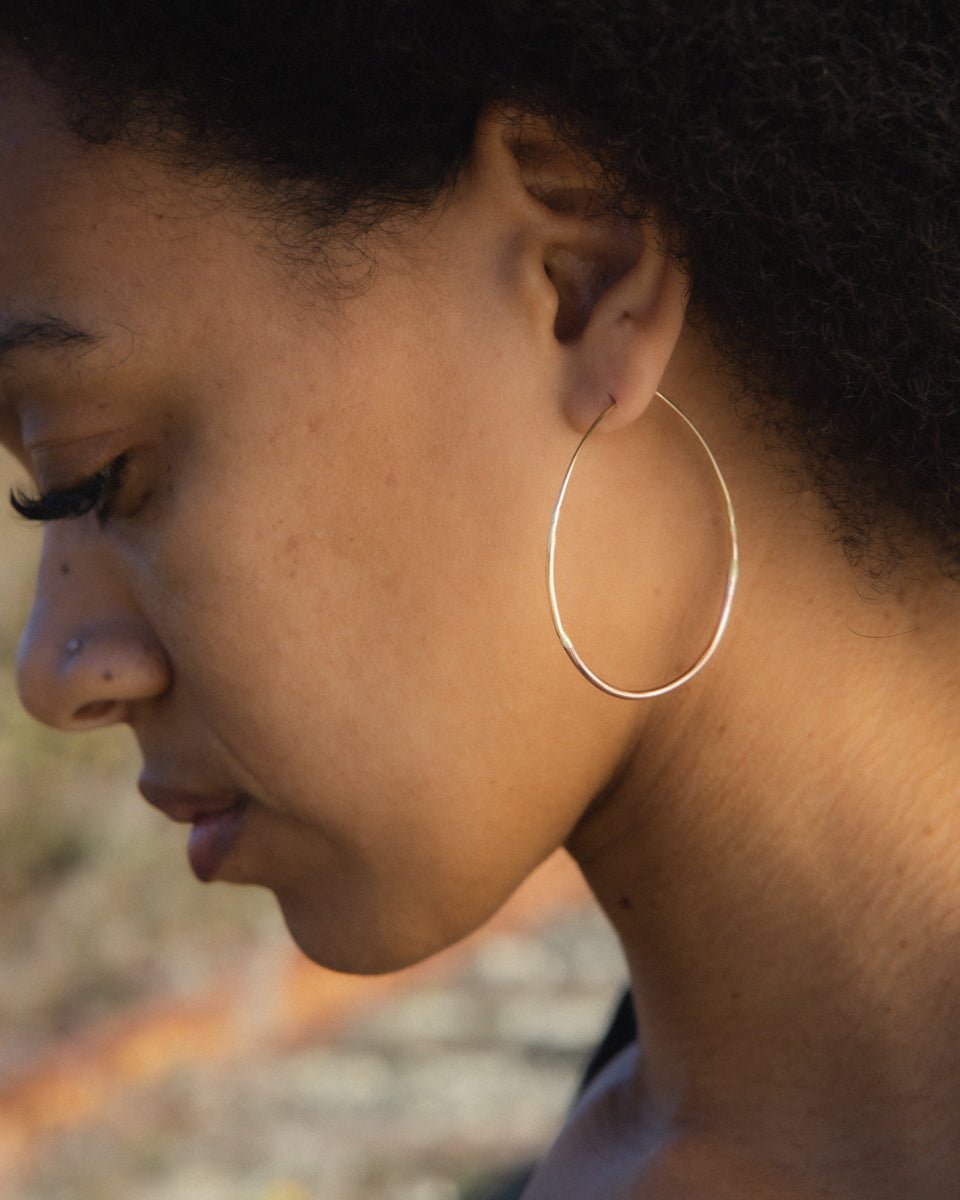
[[102, 235], [52, 185]]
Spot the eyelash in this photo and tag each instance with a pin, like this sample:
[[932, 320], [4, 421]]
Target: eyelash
[[95, 494]]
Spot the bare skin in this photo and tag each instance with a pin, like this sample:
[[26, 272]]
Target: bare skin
[[320, 587], [787, 892]]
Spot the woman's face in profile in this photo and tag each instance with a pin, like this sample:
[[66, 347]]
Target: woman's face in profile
[[313, 579]]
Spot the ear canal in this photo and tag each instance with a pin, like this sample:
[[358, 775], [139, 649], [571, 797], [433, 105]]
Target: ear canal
[[580, 279]]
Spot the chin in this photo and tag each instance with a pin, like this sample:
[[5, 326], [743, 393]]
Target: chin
[[355, 947]]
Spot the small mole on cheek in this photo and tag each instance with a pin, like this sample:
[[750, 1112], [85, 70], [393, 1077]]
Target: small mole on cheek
[[65, 568], [107, 676], [625, 903]]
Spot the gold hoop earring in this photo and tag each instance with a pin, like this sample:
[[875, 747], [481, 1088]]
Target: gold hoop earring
[[733, 571]]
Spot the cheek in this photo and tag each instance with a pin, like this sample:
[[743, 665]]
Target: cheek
[[382, 661], [358, 614], [379, 598]]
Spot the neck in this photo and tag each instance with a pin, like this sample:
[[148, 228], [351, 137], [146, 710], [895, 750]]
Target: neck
[[780, 861]]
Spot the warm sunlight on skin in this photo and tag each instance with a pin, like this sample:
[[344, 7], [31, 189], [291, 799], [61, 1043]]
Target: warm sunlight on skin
[[313, 583], [320, 585]]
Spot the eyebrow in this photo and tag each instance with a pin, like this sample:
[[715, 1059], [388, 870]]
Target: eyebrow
[[44, 333]]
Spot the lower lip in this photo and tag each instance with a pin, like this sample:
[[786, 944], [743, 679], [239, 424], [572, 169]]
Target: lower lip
[[212, 839]]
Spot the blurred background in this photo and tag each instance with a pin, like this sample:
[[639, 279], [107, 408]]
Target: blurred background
[[164, 1040]]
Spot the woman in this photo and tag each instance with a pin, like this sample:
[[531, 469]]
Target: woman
[[306, 310]]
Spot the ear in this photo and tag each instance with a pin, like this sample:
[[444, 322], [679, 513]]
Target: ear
[[615, 292], [629, 332]]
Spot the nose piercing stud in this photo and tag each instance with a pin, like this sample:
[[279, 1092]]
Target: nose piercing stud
[[75, 645]]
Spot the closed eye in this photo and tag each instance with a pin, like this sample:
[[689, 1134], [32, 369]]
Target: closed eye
[[90, 495]]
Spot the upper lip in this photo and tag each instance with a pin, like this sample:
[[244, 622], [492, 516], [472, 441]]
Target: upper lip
[[183, 804]]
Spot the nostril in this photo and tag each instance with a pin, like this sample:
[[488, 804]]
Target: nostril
[[96, 710]]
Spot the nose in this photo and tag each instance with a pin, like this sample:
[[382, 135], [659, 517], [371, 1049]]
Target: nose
[[86, 654]]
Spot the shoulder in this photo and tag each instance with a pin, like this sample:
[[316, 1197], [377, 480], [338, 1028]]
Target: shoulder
[[615, 1147], [608, 1140]]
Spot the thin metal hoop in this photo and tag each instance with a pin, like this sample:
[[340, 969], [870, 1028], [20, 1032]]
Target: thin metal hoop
[[733, 571]]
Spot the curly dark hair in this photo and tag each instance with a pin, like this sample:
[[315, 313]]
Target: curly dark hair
[[803, 153]]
